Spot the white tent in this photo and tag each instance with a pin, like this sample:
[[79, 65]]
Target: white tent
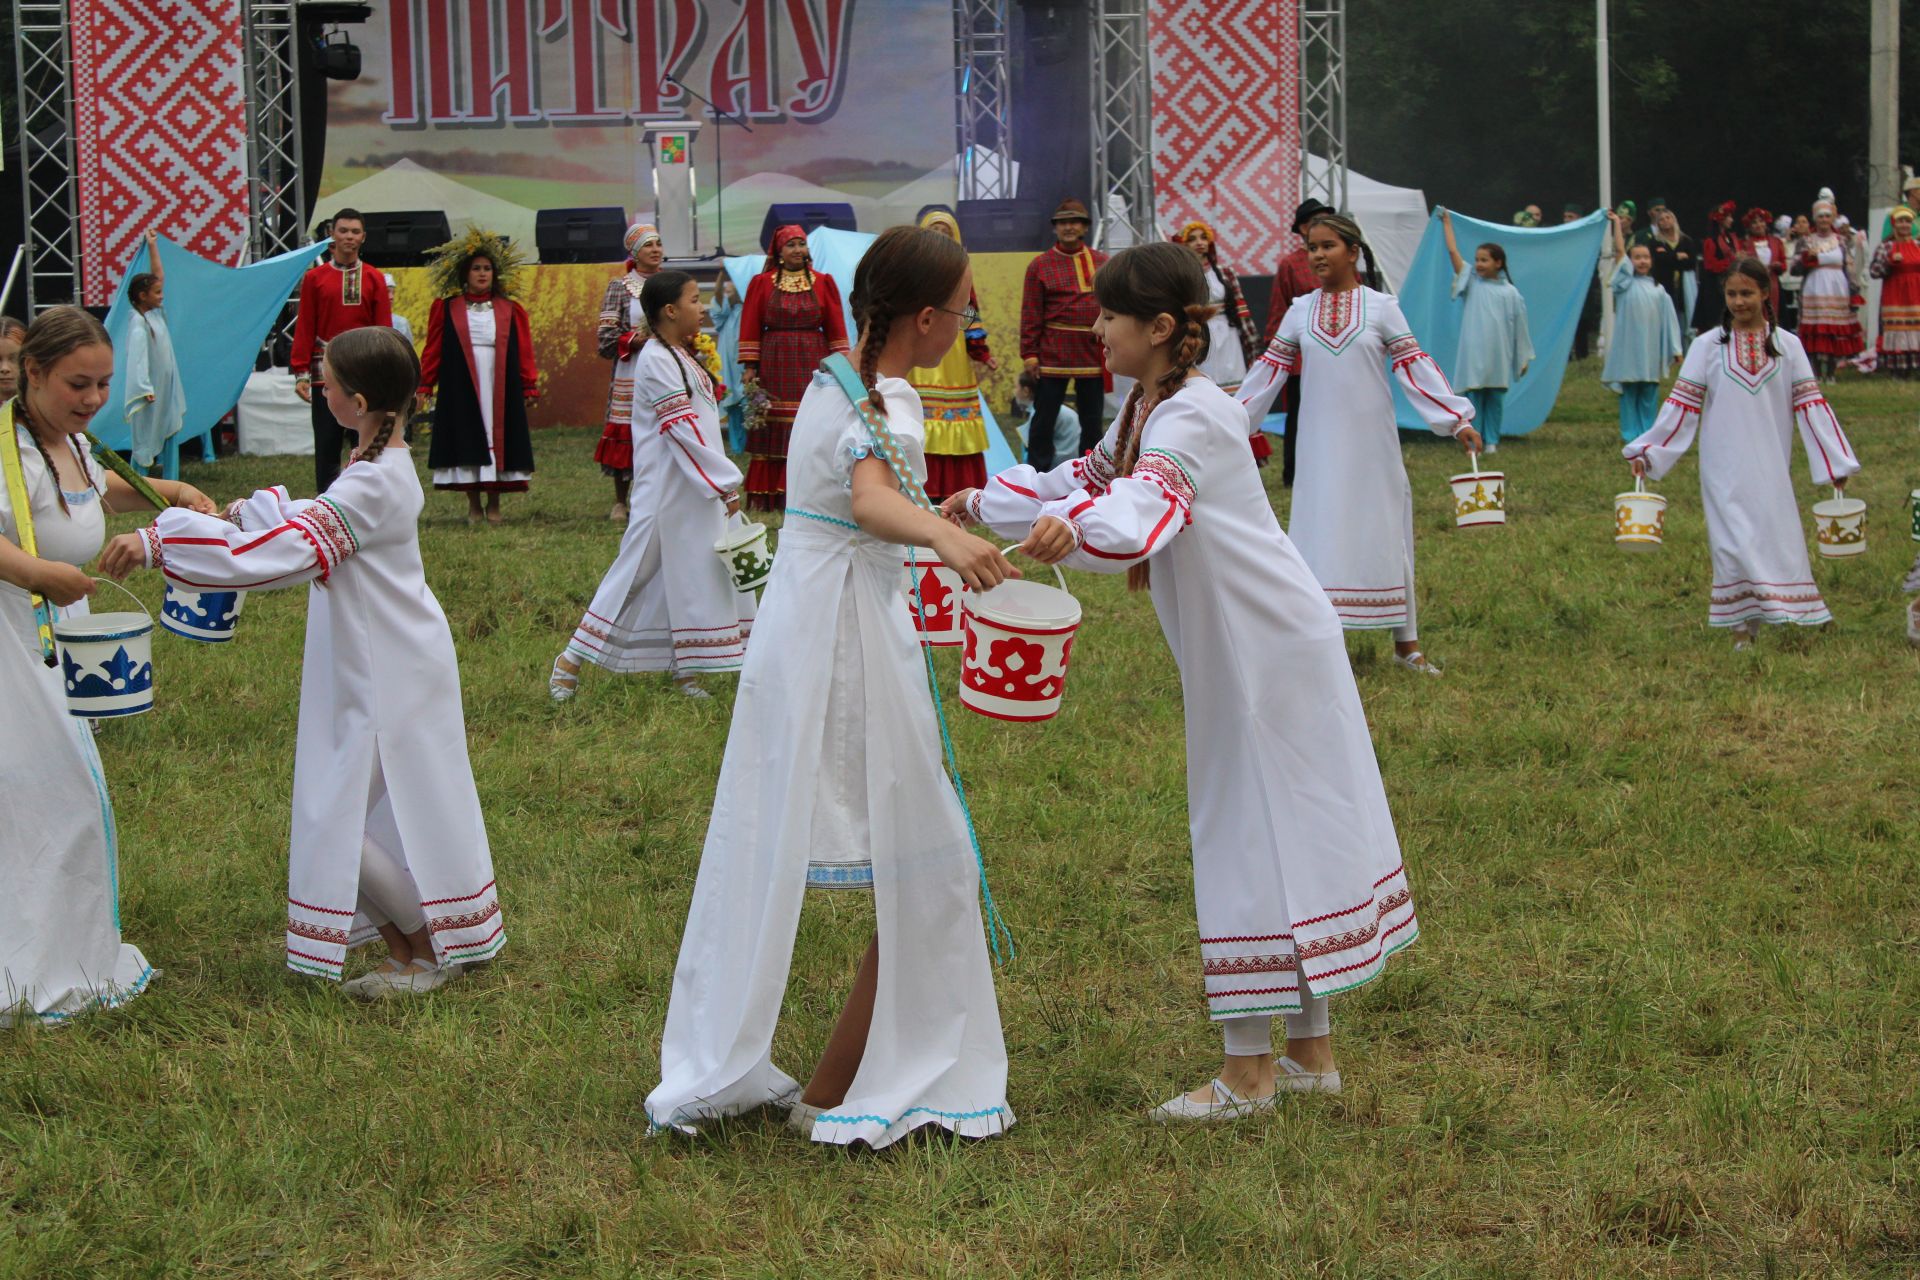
[[1394, 218], [405, 185]]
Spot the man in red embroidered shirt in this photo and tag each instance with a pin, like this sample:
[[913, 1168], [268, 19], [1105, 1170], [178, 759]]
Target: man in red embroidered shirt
[[1293, 278], [339, 294], [1057, 311]]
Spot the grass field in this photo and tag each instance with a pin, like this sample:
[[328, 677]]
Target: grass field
[[1661, 1021]]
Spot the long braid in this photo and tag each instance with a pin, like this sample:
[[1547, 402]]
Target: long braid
[[1188, 350], [873, 338], [26, 420], [371, 449]]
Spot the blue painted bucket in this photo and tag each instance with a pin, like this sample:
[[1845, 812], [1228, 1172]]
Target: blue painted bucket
[[107, 662], [207, 616]]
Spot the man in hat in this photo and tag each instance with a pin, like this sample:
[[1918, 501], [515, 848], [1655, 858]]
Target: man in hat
[[1057, 311], [1293, 278]]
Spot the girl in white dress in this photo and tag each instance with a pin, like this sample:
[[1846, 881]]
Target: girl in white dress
[[667, 602], [1298, 878], [1743, 388], [1352, 505], [832, 777], [60, 948], [387, 834]]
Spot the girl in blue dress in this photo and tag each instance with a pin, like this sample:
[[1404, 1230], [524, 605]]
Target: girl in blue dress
[[1495, 347], [1646, 335]]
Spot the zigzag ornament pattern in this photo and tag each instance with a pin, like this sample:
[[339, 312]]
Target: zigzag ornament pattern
[[1226, 121], [160, 131]]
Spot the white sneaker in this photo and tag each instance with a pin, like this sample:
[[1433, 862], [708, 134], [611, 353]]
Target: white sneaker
[[415, 979], [1226, 1105], [1290, 1077], [1417, 661]]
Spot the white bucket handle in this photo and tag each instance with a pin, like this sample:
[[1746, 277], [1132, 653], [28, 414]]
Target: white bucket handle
[[1640, 484], [109, 582], [1473, 460], [1838, 492]]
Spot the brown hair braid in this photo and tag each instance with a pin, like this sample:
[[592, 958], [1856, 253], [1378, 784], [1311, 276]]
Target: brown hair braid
[[378, 365], [905, 271], [1145, 283]]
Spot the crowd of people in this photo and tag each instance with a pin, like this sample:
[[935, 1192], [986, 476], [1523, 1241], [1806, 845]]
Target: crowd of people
[[873, 447]]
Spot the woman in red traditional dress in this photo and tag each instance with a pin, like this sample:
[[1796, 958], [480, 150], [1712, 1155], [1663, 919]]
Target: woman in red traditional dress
[[1760, 243], [479, 355], [1897, 264], [792, 320], [621, 333]]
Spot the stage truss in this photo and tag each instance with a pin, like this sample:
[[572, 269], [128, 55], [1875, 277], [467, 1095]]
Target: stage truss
[[1323, 100], [1122, 124], [43, 70], [981, 58], [276, 200], [44, 78]]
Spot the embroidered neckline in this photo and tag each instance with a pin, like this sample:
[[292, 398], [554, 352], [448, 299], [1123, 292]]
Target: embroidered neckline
[[1338, 317], [1749, 362]]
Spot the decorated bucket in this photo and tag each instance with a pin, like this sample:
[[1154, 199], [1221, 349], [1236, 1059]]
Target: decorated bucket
[[1840, 526], [1913, 502], [743, 549], [210, 616], [1019, 637], [107, 660], [1639, 518], [1479, 497], [942, 600]]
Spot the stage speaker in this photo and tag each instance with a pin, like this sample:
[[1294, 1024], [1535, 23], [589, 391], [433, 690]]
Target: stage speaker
[[404, 239], [806, 217], [1004, 226], [581, 235]]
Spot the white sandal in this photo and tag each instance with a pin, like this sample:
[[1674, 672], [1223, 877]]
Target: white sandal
[[562, 684], [1226, 1105], [687, 686], [1417, 661]]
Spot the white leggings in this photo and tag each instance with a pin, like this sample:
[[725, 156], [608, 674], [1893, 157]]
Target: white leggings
[[1253, 1035], [388, 894]]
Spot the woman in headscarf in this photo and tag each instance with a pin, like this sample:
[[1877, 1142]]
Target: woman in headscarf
[[950, 395], [1717, 252], [1897, 264], [622, 332], [479, 355], [792, 320], [1829, 327]]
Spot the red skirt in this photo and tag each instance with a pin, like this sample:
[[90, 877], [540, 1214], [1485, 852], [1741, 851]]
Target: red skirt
[[949, 473], [614, 453], [766, 484], [1262, 448], [1832, 339]]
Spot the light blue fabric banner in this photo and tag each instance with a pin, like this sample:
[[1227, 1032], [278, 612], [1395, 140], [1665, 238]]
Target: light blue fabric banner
[[837, 253], [1551, 266], [218, 316]]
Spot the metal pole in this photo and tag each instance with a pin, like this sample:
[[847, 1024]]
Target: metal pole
[[1604, 106], [1883, 137]]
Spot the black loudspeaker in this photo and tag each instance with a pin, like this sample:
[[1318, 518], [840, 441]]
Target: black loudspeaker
[[405, 239], [580, 235], [1004, 226], [806, 217]]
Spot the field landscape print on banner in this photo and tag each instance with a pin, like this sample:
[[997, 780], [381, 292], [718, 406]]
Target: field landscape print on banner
[[539, 103]]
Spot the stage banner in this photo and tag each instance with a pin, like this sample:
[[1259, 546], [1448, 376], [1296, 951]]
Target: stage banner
[[159, 132], [538, 104], [1226, 122]]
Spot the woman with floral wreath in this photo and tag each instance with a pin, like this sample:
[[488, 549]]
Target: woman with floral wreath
[[481, 444]]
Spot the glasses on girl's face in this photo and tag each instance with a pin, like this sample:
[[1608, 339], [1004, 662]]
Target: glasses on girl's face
[[971, 315]]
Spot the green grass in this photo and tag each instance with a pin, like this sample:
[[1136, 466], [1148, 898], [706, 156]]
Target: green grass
[[1660, 1022]]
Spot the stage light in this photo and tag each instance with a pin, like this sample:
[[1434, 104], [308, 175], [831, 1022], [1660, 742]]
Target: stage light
[[336, 57]]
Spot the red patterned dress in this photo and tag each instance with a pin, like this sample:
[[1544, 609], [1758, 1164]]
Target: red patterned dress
[[1897, 264], [792, 320]]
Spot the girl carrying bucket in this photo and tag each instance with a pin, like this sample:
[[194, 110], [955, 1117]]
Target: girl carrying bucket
[[387, 833], [832, 776], [1646, 334], [1352, 505], [1495, 348], [60, 947], [1297, 873], [667, 602], [1749, 384]]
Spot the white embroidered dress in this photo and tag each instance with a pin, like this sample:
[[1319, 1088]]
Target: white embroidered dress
[[1744, 403], [1226, 363], [832, 777], [1297, 873], [667, 603], [381, 750], [60, 948], [1352, 504]]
